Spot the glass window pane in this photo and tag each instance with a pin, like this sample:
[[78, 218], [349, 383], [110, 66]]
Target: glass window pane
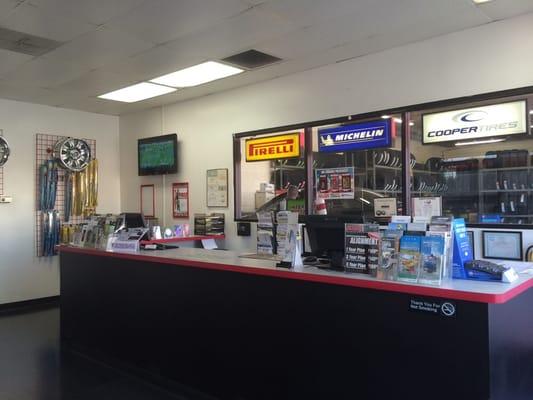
[[377, 173], [485, 180], [265, 184]]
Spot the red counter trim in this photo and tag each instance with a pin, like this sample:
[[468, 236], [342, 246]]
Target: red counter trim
[[182, 239], [335, 280]]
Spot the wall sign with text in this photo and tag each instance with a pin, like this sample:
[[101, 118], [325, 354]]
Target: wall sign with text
[[475, 123], [273, 147], [366, 135]]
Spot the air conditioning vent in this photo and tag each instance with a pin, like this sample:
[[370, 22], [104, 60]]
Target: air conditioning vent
[[25, 43], [251, 59]]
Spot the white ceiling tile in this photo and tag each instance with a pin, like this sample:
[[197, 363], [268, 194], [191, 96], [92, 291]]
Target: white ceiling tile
[[11, 60], [501, 9], [30, 19], [407, 16], [99, 47], [44, 73], [151, 63], [160, 21], [233, 35], [21, 92], [96, 105], [6, 6], [92, 11], [96, 82], [309, 12]]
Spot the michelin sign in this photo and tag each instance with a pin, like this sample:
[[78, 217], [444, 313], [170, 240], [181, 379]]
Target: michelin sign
[[366, 135], [475, 123]]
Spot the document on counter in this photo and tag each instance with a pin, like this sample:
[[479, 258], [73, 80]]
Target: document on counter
[[209, 244]]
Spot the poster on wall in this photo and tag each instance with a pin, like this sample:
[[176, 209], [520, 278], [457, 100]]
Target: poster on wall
[[385, 207], [335, 183], [427, 207], [148, 200], [217, 187], [180, 200]]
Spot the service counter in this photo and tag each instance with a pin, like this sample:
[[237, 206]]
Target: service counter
[[239, 328]]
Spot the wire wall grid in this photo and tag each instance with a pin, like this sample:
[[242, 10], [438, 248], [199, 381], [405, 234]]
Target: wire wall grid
[[1, 172], [44, 148]]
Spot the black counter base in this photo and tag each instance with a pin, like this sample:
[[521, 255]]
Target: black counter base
[[250, 337]]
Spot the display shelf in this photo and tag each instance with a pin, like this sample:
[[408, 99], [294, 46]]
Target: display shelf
[[525, 167], [505, 190]]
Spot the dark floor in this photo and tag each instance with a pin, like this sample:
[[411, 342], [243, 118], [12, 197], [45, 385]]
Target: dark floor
[[32, 367]]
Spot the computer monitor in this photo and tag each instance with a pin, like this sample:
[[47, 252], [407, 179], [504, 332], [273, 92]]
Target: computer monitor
[[326, 236], [130, 220]]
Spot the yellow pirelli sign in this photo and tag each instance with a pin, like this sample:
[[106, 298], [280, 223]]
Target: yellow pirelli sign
[[273, 147]]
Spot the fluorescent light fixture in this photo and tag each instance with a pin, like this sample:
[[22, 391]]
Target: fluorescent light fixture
[[197, 74], [364, 200], [411, 123], [397, 120], [481, 1], [531, 111], [479, 142], [385, 116], [138, 92]]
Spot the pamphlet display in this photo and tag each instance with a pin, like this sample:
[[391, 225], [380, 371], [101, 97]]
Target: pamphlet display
[[362, 250], [462, 253], [287, 239], [265, 233]]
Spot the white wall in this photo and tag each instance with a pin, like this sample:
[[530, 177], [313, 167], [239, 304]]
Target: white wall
[[492, 57], [22, 275]]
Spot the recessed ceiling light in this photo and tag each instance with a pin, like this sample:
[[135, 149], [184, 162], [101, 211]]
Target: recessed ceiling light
[[385, 116], [138, 92], [481, 1], [411, 123], [197, 74], [531, 111], [479, 142], [397, 120]]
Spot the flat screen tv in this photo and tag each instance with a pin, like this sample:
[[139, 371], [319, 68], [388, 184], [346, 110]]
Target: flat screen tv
[[158, 155]]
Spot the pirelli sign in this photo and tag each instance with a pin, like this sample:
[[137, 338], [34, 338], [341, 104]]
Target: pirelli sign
[[273, 147]]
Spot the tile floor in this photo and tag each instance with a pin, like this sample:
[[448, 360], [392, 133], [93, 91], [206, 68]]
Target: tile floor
[[32, 367]]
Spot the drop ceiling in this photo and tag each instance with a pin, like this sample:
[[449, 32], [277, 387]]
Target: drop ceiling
[[110, 44]]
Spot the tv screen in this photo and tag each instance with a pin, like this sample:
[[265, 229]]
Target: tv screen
[[158, 155]]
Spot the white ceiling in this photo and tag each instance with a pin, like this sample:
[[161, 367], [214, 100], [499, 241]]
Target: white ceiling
[[109, 44]]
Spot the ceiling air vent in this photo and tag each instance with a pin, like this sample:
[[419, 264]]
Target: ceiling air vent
[[25, 43], [251, 59]]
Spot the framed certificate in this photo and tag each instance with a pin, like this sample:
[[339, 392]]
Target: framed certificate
[[217, 187], [180, 200], [502, 245]]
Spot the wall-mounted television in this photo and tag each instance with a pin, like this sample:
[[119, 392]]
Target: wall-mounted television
[[158, 155]]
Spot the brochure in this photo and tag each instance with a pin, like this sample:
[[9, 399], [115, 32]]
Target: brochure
[[390, 248], [432, 264], [409, 262]]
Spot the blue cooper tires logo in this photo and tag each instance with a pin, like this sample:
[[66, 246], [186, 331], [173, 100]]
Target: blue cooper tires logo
[[470, 116]]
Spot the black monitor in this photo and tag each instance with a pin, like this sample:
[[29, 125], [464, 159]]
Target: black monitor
[[130, 220], [326, 236]]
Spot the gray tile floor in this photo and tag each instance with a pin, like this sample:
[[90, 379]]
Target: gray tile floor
[[32, 366]]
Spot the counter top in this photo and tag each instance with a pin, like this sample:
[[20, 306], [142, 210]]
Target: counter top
[[456, 289]]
